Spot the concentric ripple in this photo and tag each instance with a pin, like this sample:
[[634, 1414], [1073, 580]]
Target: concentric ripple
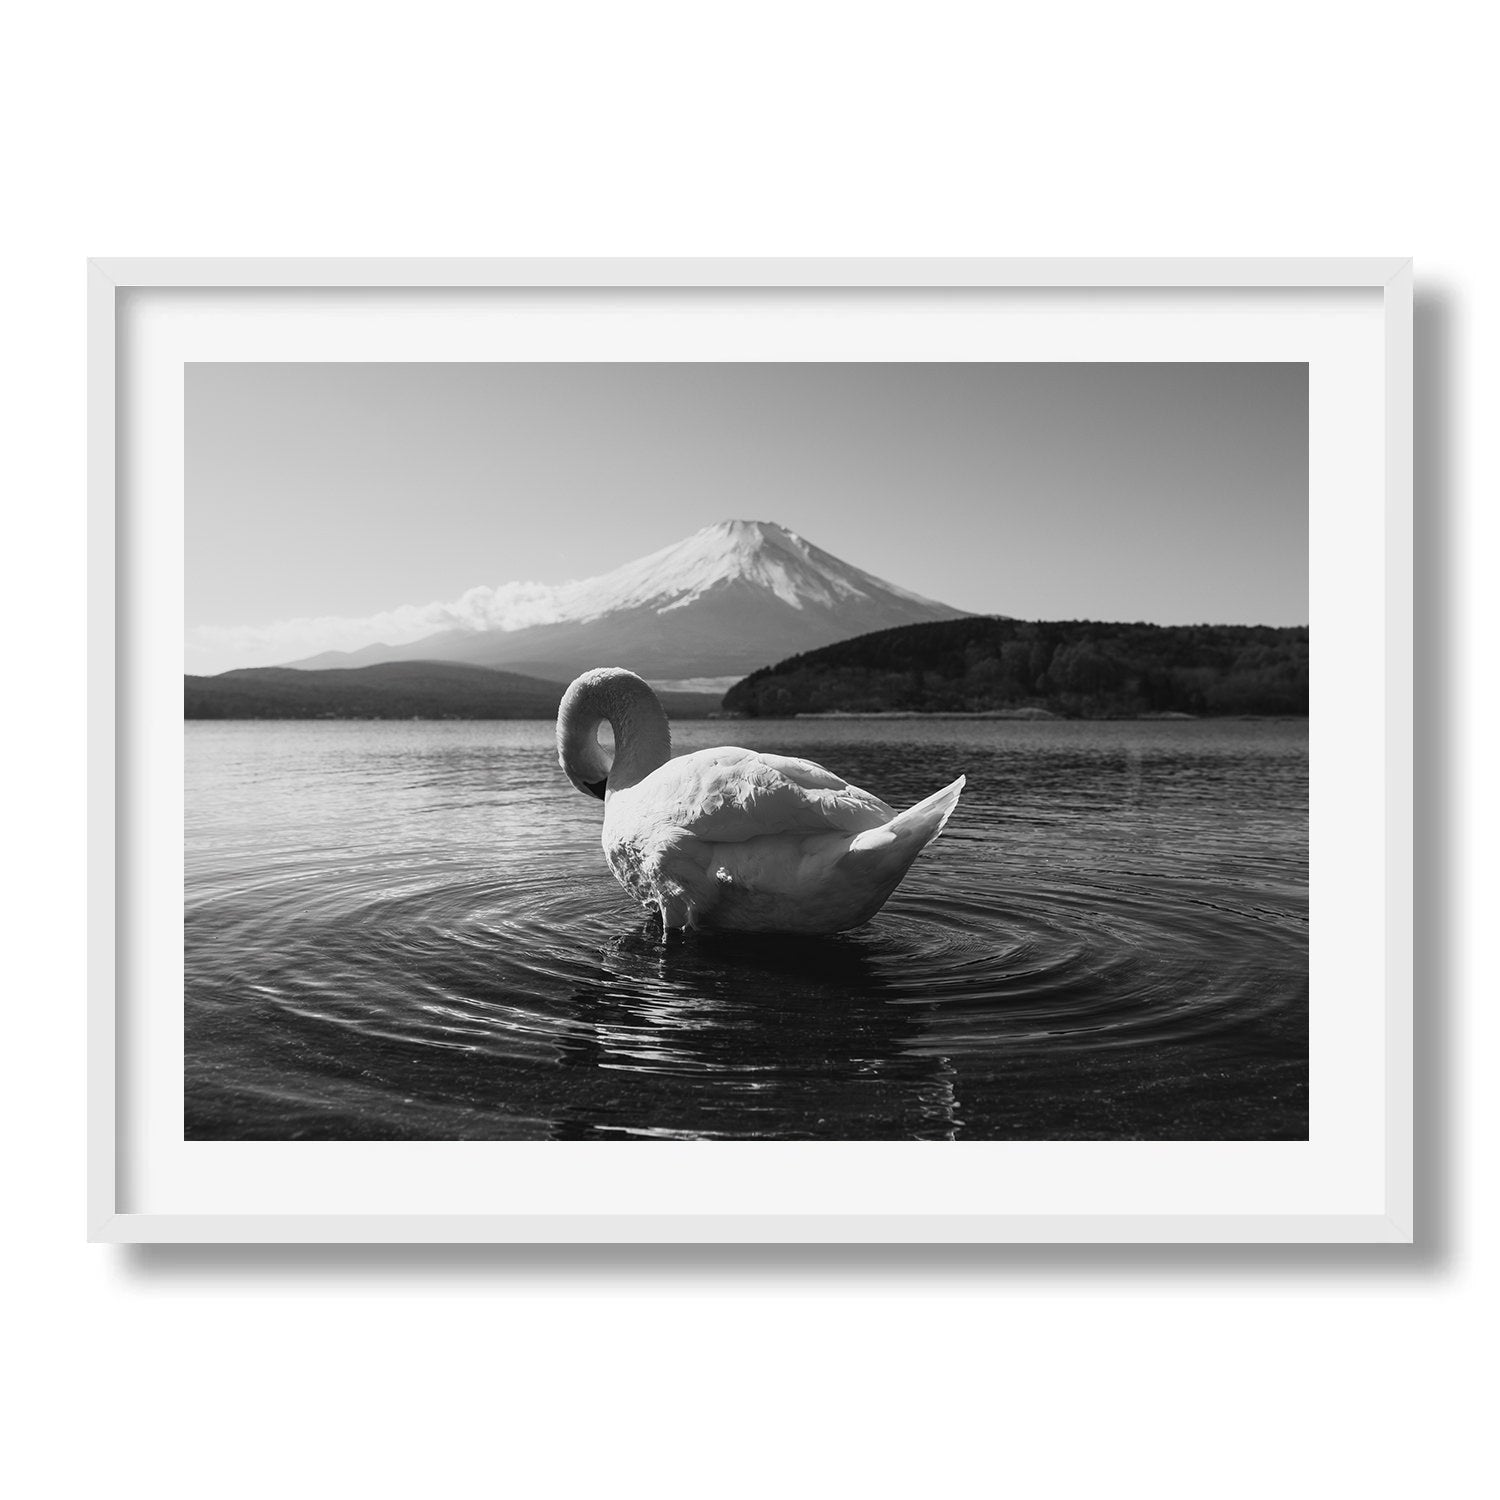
[[409, 931]]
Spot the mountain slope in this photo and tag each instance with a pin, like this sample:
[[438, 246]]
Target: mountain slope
[[722, 602], [391, 690]]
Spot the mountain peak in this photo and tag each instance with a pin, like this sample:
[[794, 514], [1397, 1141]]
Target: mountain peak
[[763, 554], [733, 596], [752, 533]]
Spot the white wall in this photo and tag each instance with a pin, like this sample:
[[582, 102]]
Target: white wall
[[646, 129]]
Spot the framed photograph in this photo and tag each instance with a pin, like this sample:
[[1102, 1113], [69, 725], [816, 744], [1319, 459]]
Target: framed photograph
[[750, 751]]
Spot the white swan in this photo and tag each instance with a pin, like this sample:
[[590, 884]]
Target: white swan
[[727, 838]]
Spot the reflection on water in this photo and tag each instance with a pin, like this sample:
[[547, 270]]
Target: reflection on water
[[407, 930]]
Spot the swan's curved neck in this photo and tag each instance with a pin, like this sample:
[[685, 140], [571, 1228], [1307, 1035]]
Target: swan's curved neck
[[643, 738]]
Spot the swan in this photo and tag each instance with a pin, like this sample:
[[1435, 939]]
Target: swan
[[728, 838]]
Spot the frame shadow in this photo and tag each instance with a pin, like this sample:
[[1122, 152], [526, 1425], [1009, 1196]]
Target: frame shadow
[[1436, 1105]]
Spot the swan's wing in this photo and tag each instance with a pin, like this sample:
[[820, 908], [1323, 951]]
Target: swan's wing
[[804, 773], [727, 795]]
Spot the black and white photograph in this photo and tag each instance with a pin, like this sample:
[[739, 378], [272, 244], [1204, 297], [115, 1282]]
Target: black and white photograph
[[746, 751]]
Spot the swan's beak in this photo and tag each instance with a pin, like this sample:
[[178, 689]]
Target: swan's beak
[[593, 788]]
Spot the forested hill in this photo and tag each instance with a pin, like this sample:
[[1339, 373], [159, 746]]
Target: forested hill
[[392, 690], [1076, 668]]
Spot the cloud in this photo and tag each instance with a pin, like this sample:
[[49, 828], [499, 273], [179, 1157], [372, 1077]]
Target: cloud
[[511, 606]]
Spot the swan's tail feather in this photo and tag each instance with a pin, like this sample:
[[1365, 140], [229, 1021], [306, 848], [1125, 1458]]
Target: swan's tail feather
[[917, 826], [933, 811]]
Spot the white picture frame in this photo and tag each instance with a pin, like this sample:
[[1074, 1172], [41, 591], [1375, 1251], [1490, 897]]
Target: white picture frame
[[1361, 1192]]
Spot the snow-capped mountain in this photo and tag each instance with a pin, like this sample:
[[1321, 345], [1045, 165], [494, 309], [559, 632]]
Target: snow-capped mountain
[[731, 598]]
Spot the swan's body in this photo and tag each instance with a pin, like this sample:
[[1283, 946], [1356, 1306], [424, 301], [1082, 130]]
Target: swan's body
[[730, 838]]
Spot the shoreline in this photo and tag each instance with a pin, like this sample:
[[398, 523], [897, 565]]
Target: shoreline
[[1011, 715], [1044, 716]]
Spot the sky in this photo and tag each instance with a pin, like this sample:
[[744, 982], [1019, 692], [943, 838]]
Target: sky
[[334, 505]]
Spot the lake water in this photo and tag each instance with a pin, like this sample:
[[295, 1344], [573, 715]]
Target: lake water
[[407, 930]]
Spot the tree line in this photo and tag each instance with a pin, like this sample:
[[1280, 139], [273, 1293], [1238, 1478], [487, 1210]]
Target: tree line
[[1075, 668]]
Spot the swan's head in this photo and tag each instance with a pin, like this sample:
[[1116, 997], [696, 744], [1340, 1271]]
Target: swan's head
[[625, 702]]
